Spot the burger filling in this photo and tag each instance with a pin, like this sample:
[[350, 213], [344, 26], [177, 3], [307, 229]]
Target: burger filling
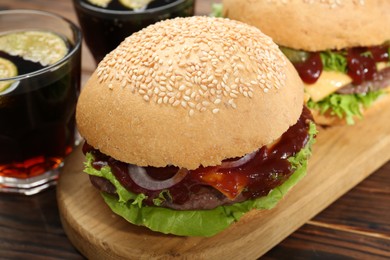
[[343, 82], [235, 180], [207, 200]]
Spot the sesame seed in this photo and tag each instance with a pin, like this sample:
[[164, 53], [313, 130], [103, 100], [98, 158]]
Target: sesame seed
[[204, 87], [187, 92], [233, 95], [205, 103]]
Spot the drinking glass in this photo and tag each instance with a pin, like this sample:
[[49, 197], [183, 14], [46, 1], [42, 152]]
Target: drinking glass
[[37, 105], [104, 28]]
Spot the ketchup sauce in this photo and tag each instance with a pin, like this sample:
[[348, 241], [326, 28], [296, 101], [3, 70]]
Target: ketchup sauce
[[310, 70], [268, 169], [361, 64], [360, 67], [380, 53]]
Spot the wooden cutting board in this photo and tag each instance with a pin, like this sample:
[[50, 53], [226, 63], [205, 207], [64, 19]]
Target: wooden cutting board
[[342, 157]]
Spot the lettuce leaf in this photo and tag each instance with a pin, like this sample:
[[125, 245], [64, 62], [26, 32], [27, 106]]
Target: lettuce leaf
[[106, 173], [388, 51], [216, 10], [346, 106], [197, 222], [334, 61]]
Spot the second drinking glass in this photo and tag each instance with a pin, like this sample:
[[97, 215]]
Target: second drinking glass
[[106, 23]]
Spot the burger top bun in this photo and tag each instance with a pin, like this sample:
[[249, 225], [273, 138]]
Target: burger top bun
[[316, 25], [189, 92]]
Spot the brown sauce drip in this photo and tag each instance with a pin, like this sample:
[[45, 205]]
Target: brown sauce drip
[[310, 70], [361, 64], [268, 169]]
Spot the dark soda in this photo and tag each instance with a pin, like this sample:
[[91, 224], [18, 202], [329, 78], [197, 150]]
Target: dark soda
[[37, 124], [105, 28]]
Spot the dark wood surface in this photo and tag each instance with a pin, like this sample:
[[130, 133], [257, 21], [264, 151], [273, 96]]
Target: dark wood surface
[[357, 226]]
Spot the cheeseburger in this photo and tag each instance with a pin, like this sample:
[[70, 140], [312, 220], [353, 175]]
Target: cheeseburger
[[340, 49], [192, 122]]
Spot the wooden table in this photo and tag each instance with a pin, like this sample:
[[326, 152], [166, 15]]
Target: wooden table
[[355, 226]]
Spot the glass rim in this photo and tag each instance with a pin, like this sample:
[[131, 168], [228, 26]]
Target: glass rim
[[154, 10], [72, 51]]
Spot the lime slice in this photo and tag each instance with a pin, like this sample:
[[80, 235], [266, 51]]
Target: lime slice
[[100, 3], [7, 70], [37, 46], [135, 4]]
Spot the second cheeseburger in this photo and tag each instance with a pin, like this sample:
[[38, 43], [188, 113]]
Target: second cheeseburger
[[192, 122], [340, 48]]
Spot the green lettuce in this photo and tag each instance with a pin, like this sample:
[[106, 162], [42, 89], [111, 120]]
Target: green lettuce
[[388, 51], [106, 173], [196, 222], [334, 61], [346, 106], [216, 10]]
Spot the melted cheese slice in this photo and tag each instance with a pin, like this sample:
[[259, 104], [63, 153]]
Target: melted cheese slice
[[329, 82], [231, 184]]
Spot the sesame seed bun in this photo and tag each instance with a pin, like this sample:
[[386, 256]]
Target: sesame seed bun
[[315, 25], [189, 92]]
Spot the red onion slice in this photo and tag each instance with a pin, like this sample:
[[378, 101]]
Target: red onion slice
[[239, 162], [142, 179]]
